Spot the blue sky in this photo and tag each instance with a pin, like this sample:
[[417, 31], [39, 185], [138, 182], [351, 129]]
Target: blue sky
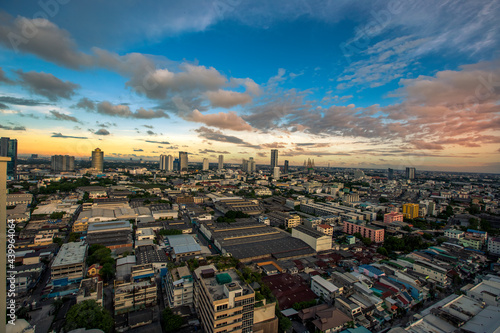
[[350, 83]]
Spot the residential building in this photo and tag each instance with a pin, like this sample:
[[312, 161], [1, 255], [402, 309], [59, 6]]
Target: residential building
[[494, 245], [315, 239], [410, 210], [434, 272], [325, 318], [69, 264], [179, 288], [98, 160], [205, 164], [283, 219], [62, 163], [375, 234], [325, 229], [274, 158], [393, 217], [286, 167], [223, 301], [410, 173], [324, 288], [183, 161], [453, 233], [8, 148], [139, 293], [90, 289], [276, 172]]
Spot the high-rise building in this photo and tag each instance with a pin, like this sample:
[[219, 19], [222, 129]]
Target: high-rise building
[[274, 158], [244, 165], [390, 174], [175, 165], [183, 161], [223, 301], [276, 172], [221, 162], [163, 162], [62, 163], [98, 160], [251, 165], [410, 210], [285, 170], [170, 163], [205, 164], [410, 173], [8, 148]]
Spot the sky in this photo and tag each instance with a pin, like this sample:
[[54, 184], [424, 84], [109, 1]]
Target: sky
[[358, 84]]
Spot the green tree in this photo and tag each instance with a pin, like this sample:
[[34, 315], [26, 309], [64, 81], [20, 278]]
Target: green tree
[[172, 321], [283, 322], [58, 241], [57, 215], [170, 232], [74, 237], [382, 251], [107, 271], [428, 236], [88, 314]]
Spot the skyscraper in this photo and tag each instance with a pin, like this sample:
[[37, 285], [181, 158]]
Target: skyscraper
[[170, 163], [285, 171], [183, 161], [276, 173], [205, 164], [163, 162], [251, 165], [390, 174], [410, 173], [8, 148], [221, 162], [98, 160], [274, 158], [62, 163]]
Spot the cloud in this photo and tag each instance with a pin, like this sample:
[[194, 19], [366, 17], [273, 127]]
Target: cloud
[[47, 85], [274, 145], [213, 135], [59, 135], [13, 128], [102, 131], [148, 126], [158, 142], [4, 78], [119, 110], [149, 132], [221, 120], [21, 101], [61, 116], [210, 151], [227, 99], [138, 149], [3, 106]]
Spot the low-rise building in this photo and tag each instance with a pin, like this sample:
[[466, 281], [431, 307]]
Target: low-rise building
[[374, 233], [325, 229], [90, 289], [454, 233], [435, 273], [324, 288], [494, 245], [69, 264], [139, 293], [393, 217]]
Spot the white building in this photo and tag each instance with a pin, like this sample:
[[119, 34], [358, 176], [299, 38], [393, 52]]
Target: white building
[[315, 239], [322, 287], [494, 245], [205, 164], [453, 233], [178, 284]]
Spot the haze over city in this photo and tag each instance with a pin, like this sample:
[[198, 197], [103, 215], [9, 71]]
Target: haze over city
[[350, 84]]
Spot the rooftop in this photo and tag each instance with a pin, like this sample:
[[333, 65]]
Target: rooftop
[[109, 226], [70, 253]]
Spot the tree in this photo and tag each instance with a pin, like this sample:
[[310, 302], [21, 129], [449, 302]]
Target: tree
[[58, 241], [283, 322], [107, 271], [358, 235], [172, 321], [74, 237], [366, 241], [382, 251], [428, 236], [170, 232], [88, 314], [57, 215]]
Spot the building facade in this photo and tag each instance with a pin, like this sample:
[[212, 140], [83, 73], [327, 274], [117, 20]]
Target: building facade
[[274, 158], [393, 217], [8, 148], [62, 163], [98, 160], [375, 234], [183, 161], [179, 287], [410, 210], [220, 165]]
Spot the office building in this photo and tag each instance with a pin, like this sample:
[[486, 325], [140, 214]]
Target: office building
[[276, 173], [410, 210], [390, 174], [223, 301], [410, 173], [98, 160], [69, 264], [251, 165], [176, 165], [205, 164], [285, 170], [274, 158], [62, 163], [163, 162], [183, 161], [221, 162], [8, 148]]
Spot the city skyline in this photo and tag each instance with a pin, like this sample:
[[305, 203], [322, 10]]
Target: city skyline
[[355, 85]]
